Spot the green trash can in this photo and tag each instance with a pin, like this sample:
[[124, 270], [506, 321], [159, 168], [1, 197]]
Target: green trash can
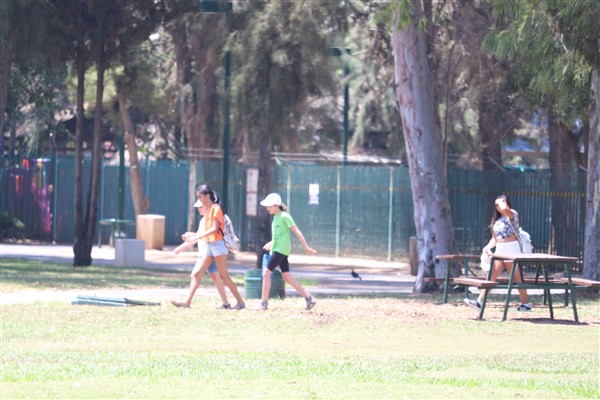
[[277, 285], [253, 284]]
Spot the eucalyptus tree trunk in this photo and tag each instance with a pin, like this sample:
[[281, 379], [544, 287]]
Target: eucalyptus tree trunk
[[141, 204], [433, 220], [561, 160], [591, 260]]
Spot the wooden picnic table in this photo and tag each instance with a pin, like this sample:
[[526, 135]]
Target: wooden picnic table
[[464, 258], [541, 262]]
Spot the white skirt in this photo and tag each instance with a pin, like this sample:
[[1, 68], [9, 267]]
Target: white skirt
[[508, 248]]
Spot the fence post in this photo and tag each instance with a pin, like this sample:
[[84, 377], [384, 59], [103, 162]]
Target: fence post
[[390, 213], [337, 211], [54, 195]]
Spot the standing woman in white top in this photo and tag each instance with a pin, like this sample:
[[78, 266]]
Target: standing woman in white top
[[505, 227]]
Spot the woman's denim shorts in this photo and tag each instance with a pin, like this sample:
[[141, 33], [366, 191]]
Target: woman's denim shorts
[[216, 248]]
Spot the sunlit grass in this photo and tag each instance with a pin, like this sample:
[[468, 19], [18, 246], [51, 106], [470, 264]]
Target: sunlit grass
[[346, 348]]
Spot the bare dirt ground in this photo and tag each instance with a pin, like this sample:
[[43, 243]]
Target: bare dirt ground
[[384, 291]]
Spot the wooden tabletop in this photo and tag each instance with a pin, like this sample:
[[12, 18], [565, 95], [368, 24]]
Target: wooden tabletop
[[458, 257], [534, 257]]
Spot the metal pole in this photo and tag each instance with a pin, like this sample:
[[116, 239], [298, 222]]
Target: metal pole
[[338, 201], [225, 190], [346, 107], [390, 214], [121, 198], [54, 195]]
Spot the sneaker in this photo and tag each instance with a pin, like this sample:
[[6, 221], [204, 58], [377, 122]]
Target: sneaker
[[225, 307], [524, 307], [239, 306], [264, 305], [310, 302], [473, 303]]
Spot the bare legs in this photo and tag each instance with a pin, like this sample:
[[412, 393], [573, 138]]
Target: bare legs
[[220, 288], [287, 277], [220, 278], [500, 266], [221, 262]]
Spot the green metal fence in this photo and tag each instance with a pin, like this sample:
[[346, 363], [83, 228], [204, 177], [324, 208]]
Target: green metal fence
[[363, 210]]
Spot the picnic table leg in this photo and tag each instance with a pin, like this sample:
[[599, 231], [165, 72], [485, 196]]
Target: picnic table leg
[[548, 295], [466, 266], [446, 283], [571, 289], [485, 296], [509, 290], [537, 275]]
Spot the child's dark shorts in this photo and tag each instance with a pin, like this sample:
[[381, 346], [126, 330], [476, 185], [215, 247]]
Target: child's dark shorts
[[278, 260]]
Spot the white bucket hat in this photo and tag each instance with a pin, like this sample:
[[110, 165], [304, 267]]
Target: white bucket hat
[[272, 199]]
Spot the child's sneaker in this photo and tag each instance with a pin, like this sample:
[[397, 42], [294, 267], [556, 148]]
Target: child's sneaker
[[473, 303], [310, 302], [264, 305], [524, 307]]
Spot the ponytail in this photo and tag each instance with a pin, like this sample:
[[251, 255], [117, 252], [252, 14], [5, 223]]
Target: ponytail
[[283, 207], [214, 196]]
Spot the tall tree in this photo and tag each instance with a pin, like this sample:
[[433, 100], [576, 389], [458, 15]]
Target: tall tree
[[30, 48], [280, 57], [591, 260], [136, 85], [423, 139], [553, 44], [198, 42], [101, 27]]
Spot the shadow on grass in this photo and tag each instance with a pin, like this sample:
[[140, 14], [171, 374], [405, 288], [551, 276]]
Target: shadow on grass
[[17, 274], [549, 321]]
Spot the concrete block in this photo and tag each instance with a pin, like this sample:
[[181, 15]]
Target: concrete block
[[129, 252]]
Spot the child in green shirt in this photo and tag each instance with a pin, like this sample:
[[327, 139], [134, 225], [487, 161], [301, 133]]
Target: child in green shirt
[[280, 248]]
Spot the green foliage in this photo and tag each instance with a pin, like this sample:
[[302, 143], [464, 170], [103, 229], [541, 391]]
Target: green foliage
[[549, 45], [281, 57], [11, 227], [35, 97], [373, 100]]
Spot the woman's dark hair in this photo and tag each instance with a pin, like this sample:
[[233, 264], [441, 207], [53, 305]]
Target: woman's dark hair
[[283, 207], [496, 215], [205, 189]]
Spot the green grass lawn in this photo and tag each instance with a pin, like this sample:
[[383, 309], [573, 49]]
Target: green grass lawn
[[346, 348]]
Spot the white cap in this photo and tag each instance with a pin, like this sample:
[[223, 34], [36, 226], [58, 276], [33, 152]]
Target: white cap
[[198, 204], [271, 200]]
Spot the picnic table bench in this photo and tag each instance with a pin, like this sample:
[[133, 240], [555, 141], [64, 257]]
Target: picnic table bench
[[464, 258], [541, 280]]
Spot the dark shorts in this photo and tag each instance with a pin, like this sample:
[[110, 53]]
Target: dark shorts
[[278, 260]]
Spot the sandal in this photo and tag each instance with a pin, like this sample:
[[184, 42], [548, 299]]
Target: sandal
[[225, 307], [239, 306], [179, 304]]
